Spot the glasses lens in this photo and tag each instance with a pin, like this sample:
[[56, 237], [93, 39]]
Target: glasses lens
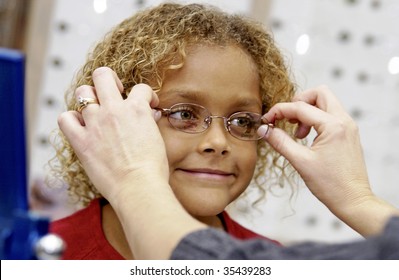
[[244, 125], [188, 117]]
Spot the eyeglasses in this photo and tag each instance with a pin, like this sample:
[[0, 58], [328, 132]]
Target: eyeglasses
[[193, 118]]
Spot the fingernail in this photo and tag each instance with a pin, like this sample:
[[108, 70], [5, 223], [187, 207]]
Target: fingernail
[[262, 130], [157, 114]]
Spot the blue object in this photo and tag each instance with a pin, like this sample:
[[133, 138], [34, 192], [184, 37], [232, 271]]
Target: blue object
[[19, 229]]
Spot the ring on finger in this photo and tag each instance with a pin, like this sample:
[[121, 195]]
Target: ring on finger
[[83, 102]]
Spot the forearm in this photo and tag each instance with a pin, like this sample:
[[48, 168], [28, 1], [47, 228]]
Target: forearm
[[213, 244], [367, 217]]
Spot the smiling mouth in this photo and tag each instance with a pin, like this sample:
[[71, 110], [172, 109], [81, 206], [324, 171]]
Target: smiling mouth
[[207, 173]]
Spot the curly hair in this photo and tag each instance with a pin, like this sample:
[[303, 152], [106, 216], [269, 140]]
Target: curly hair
[[143, 47]]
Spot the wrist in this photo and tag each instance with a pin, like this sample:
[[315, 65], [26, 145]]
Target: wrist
[[138, 188], [149, 210], [134, 183], [367, 215]]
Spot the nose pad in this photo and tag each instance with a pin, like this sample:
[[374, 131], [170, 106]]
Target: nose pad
[[215, 128], [207, 122], [210, 119]]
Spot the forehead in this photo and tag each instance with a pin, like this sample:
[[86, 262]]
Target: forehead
[[212, 74]]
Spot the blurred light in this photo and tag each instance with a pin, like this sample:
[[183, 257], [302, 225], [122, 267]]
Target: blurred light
[[302, 44], [100, 6], [393, 65]]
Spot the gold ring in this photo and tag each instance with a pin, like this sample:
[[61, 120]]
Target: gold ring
[[83, 102]]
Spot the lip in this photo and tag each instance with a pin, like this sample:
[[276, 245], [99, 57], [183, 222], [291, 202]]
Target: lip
[[207, 173]]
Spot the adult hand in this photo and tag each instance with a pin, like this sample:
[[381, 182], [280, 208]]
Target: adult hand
[[333, 166], [116, 140]]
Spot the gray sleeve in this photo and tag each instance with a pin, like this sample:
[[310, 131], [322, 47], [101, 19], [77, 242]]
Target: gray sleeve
[[214, 244]]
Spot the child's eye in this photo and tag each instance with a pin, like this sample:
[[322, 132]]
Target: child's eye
[[241, 121], [184, 114]]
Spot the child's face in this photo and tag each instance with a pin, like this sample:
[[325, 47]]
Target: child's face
[[210, 169]]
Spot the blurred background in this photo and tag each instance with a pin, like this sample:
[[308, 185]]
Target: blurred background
[[350, 45]]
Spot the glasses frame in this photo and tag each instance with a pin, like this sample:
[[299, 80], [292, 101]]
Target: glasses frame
[[166, 112]]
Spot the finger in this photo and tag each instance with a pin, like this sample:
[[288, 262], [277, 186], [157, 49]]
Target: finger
[[143, 92], [86, 92], [71, 126], [294, 152], [322, 98], [302, 131], [156, 115], [107, 84], [154, 100], [301, 112]]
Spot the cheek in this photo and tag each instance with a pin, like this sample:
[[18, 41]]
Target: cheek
[[174, 144], [250, 153], [248, 161], [174, 150]]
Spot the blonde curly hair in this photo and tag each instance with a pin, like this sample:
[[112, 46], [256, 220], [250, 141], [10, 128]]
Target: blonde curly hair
[[143, 47]]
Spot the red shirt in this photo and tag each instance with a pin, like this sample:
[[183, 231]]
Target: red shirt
[[85, 240]]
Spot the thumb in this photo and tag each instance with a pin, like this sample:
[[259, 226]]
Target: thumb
[[293, 151]]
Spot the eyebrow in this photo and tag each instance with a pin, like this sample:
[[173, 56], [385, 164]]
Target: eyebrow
[[193, 96], [197, 97]]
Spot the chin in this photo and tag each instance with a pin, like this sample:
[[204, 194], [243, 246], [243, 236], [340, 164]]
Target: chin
[[206, 212], [204, 201], [205, 208]]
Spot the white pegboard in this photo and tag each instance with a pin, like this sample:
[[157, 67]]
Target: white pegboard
[[350, 44]]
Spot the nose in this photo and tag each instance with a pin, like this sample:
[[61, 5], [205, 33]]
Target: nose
[[215, 140]]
